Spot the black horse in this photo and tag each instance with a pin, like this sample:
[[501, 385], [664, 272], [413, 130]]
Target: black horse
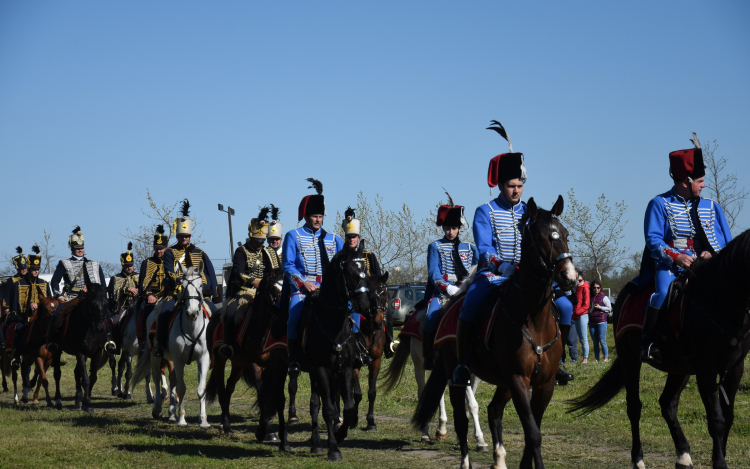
[[80, 330], [713, 343], [328, 355]]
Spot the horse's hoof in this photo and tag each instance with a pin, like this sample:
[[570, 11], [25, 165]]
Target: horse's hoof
[[128, 397], [156, 415], [205, 426], [89, 410], [150, 400], [335, 456], [79, 406], [371, 428], [440, 436], [25, 400], [682, 466], [50, 404], [115, 393], [271, 438], [35, 403], [292, 420], [426, 438], [58, 405], [259, 435], [287, 448], [483, 448], [336, 427], [315, 450]]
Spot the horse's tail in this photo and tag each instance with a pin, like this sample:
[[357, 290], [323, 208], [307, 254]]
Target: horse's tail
[[212, 386], [429, 401], [248, 376], [143, 370], [395, 371], [601, 393]]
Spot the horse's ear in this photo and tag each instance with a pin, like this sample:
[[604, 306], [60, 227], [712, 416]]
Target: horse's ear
[[384, 278], [557, 209], [531, 208]]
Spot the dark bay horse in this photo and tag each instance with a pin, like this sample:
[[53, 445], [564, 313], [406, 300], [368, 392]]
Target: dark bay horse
[[524, 347], [328, 354], [35, 350], [712, 345], [248, 360], [80, 327]]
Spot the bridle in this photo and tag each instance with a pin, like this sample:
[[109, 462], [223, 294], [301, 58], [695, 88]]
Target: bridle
[[546, 266], [181, 301]]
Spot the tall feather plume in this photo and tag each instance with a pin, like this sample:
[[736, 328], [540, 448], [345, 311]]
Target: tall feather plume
[[19, 250], [160, 229], [695, 141], [185, 208], [498, 127], [450, 200], [263, 215], [76, 229], [349, 213], [316, 184], [36, 249], [275, 212], [130, 245]]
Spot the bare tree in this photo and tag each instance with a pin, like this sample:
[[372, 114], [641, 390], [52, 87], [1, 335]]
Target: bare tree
[[722, 185], [45, 248], [110, 268], [596, 236]]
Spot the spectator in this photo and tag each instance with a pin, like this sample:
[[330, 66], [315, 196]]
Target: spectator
[[581, 316], [601, 309], [565, 306]]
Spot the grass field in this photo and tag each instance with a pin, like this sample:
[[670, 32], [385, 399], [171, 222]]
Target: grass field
[[123, 434]]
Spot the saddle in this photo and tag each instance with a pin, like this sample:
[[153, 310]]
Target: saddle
[[448, 325], [271, 342], [635, 302]]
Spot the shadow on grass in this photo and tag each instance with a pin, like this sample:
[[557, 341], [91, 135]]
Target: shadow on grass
[[187, 449]]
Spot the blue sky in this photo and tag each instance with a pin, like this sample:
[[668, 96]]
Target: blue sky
[[238, 102]]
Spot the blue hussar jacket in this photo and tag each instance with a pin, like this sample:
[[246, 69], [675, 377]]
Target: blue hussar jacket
[[497, 233], [301, 255], [441, 262], [672, 224]]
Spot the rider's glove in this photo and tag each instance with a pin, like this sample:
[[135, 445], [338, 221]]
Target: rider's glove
[[506, 269], [451, 290]]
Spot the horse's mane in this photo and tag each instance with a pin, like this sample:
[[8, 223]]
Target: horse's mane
[[66, 309], [723, 264]]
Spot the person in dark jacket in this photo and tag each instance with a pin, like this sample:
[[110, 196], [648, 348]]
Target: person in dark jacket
[[600, 308]]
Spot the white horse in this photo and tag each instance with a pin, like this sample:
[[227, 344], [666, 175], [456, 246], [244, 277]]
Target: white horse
[[187, 342], [411, 346], [131, 348]]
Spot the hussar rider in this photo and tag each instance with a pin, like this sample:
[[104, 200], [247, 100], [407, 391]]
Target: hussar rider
[[448, 263], [306, 254], [151, 281], [21, 264], [248, 267], [188, 255], [74, 273], [24, 301], [123, 287], [497, 232], [679, 227], [275, 230]]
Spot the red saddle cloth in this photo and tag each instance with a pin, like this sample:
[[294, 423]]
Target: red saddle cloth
[[9, 336], [269, 343], [448, 325], [633, 312], [411, 328]]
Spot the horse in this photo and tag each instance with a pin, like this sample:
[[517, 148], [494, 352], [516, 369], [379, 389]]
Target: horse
[[712, 343], [248, 360], [187, 342], [412, 346], [511, 359], [328, 354], [80, 330]]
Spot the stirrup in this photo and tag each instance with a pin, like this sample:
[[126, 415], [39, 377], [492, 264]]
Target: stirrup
[[461, 376], [226, 351], [651, 353], [15, 363], [158, 352], [52, 347], [293, 369], [110, 347]]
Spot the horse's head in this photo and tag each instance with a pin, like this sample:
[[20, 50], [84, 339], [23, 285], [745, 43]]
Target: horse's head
[[352, 280], [546, 245], [47, 305], [191, 294], [378, 297]]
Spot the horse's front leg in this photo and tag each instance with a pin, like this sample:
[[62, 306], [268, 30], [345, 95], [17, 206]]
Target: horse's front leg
[[472, 406], [350, 410], [203, 363], [495, 412], [122, 365], [669, 400], [716, 423], [292, 388], [80, 364], [532, 454], [631, 366], [461, 423], [26, 387], [113, 365], [372, 392], [86, 385], [128, 357], [316, 446], [179, 372], [58, 375], [156, 410], [330, 415], [731, 384]]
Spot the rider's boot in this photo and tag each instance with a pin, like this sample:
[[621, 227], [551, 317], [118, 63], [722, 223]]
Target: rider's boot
[[649, 348], [428, 339], [464, 336], [293, 349], [162, 333], [563, 376]]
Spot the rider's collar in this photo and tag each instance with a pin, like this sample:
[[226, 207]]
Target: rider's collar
[[504, 204], [310, 230], [78, 258]]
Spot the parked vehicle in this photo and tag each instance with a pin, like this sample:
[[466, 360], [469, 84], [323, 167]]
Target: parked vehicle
[[401, 300]]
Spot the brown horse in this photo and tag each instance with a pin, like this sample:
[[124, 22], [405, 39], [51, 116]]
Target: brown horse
[[711, 344], [524, 348], [249, 359]]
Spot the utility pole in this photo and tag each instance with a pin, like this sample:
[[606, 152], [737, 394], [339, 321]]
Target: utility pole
[[230, 212]]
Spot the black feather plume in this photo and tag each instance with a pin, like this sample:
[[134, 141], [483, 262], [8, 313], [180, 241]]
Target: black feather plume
[[185, 208], [263, 215], [275, 212], [160, 229], [130, 245], [498, 127], [76, 229], [316, 184], [450, 200], [19, 249], [36, 249], [349, 213]]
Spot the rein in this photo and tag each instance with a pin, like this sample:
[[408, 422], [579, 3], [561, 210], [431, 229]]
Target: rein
[[182, 301]]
